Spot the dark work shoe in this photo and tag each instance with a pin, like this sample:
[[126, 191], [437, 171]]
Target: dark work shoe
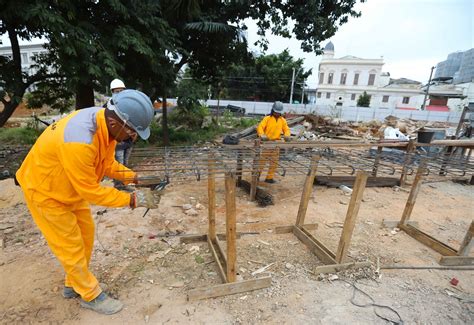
[[103, 304], [69, 293], [271, 181]]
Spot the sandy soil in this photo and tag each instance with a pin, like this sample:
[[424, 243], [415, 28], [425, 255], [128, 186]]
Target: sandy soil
[[151, 272]]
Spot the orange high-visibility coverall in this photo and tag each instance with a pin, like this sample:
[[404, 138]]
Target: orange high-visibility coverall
[[59, 177], [273, 128]]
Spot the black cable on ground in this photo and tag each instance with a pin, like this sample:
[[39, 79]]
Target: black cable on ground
[[373, 304]]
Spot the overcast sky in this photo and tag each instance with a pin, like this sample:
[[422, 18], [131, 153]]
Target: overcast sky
[[411, 35]]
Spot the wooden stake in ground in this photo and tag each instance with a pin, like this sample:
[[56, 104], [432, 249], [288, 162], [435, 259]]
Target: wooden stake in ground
[[211, 193], [255, 171], [415, 188], [351, 216], [467, 242], [410, 149], [307, 190], [231, 224], [239, 166], [377, 160]]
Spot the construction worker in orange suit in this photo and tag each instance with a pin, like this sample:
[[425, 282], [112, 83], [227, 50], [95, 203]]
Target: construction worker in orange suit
[[270, 129], [61, 176]]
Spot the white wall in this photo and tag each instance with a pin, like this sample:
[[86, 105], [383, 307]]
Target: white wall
[[347, 113]]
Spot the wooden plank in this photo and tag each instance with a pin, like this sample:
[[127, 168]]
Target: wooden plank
[[288, 229], [377, 160], [448, 143], [220, 267], [340, 267], [336, 181], [318, 249], [428, 240], [189, 239], [415, 188], [317, 242], [307, 190], [230, 212], [394, 223], [211, 193], [351, 216], [323, 144], [195, 238], [229, 288], [456, 260], [221, 250], [467, 242]]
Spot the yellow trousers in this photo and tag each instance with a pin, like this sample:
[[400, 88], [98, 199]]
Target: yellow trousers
[[69, 232], [270, 157]]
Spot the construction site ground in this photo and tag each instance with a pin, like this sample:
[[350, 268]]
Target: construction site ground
[[152, 272]]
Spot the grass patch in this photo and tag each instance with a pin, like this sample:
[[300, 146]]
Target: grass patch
[[182, 137], [15, 136]]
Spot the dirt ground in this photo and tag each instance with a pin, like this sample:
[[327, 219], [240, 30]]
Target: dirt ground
[[151, 272]]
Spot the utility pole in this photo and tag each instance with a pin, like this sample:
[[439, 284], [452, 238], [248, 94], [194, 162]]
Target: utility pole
[[427, 90], [292, 83], [302, 92]]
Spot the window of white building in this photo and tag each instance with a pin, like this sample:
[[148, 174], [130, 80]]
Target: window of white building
[[330, 77], [406, 100], [321, 78], [371, 79], [353, 96], [343, 78], [24, 58], [318, 94], [385, 99], [328, 95], [356, 79]]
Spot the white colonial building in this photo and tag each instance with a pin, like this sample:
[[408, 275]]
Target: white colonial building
[[27, 53], [343, 80]]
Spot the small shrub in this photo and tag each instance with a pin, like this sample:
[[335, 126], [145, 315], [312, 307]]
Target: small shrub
[[18, 135], [364, 100]]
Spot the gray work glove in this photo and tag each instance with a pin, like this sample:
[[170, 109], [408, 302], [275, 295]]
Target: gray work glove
[[264, 137], [145, 198]]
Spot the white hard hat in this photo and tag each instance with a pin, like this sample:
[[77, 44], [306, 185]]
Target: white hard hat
[[116, 83]]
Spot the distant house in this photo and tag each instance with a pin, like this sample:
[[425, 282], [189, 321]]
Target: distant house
[[343, 80]]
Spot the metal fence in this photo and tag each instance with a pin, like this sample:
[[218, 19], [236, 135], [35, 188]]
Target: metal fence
[[343, 112]]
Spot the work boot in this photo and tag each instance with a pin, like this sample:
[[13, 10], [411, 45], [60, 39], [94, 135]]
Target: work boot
[[103, 304], [271, 181], [69, 293]]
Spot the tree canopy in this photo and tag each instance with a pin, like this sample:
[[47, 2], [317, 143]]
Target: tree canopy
[[265, 78], [147, 42]]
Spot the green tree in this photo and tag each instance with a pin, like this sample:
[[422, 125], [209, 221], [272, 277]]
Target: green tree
[[364, 100], [19, 20], [147, 42], [265, 77]]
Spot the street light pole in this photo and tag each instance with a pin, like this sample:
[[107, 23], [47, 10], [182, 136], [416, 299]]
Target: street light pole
[[427, 90], [292, 83], [302, 92]]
